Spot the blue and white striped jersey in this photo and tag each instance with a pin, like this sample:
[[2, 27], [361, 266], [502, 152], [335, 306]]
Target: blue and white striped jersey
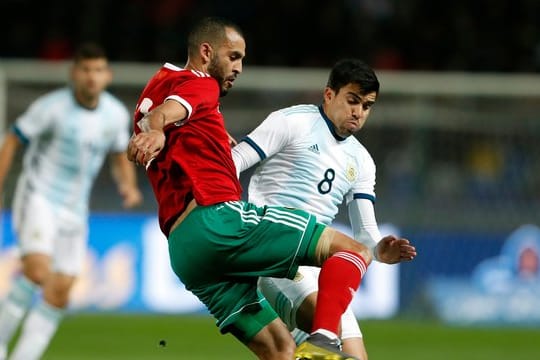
[[305, 164], [67, 144]]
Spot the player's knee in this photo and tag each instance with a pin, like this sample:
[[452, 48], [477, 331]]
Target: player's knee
[[332, 241], [57, 288], [36, 276], [36, 271]]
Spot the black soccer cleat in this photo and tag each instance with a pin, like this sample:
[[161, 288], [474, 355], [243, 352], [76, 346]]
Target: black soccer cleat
[[320, 347]]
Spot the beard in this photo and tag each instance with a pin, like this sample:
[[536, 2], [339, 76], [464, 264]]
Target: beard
[[216, 72]]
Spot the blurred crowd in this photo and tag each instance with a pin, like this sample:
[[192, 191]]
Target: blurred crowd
[[463, 35]]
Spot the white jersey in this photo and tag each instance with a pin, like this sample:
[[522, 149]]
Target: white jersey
[[305, 164], [67, 144]]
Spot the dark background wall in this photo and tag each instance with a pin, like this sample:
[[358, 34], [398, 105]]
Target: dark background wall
[[479, 35]]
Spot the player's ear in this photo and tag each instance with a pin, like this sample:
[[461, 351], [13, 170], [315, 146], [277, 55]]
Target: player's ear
[[205, 50], [328, 94]]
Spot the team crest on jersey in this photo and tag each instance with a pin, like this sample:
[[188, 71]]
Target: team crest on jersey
[[351, 172]]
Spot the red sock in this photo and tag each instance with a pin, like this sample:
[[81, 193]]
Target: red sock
[[338, 281]]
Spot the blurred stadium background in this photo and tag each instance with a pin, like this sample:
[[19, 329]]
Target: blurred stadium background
[[455, 135]]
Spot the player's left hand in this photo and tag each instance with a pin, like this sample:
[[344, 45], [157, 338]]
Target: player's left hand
[[132, 197], [391, 250]]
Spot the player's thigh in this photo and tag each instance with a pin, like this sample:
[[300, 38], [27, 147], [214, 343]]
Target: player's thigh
[[287, 296], [45, 229], [240, 240], [237, 306], [70, 244], [35, 223]]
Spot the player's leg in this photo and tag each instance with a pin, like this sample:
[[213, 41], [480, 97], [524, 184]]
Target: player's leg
[[295, 302], [271, 340], [243, 312], [287, 297], [202, 250], [351, 336], [43, 320], [308, 303], [32, 223], [344, 263], [20, 298], [241, 241]]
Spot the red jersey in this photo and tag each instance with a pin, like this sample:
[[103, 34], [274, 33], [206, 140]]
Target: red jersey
[[196, 162]]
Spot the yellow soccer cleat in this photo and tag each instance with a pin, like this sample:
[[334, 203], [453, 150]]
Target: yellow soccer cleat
[[319, 347]]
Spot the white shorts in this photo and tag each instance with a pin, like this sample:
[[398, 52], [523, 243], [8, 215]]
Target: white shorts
[[286, 296], [44, 228]]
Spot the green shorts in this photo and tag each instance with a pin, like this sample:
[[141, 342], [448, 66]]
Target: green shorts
[[220, 251]]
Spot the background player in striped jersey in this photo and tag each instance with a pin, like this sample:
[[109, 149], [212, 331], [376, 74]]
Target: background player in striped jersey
[[219, 245], [67, 134], [309, 160]]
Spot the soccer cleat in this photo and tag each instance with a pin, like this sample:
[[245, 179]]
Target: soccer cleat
[[320, 347]]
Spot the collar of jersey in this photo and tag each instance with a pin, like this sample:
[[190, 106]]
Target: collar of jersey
[[330, 125]]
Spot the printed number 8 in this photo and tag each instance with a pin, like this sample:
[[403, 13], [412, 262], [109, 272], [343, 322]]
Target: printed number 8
[[325, 186]]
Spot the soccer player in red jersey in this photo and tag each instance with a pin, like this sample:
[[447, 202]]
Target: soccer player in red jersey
[[218, 244]]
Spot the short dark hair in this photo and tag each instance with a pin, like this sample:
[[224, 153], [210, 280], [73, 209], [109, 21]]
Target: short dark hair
[[211, 30], [89, 50], [353, 71]]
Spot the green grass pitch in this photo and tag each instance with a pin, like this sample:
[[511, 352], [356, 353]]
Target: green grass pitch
[[114, 336]]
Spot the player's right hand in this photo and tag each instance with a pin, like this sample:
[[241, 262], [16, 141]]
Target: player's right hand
[[391, 250], [145, 146]]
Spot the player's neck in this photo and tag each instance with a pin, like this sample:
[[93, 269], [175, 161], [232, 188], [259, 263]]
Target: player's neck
[[87, 102], [190, 65]]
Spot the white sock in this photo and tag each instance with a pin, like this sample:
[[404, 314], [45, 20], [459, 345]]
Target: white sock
[[15, 307], [326, 333], [37, 332]]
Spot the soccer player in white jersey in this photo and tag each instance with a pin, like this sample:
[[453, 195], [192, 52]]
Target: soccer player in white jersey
[[309, 160], [67, 134]]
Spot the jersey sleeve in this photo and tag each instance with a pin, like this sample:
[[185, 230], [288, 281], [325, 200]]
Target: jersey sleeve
[[244, 157], [360, 202], [194, 94], [36, 120], [364, 186], [272, 135], [363, 222]]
